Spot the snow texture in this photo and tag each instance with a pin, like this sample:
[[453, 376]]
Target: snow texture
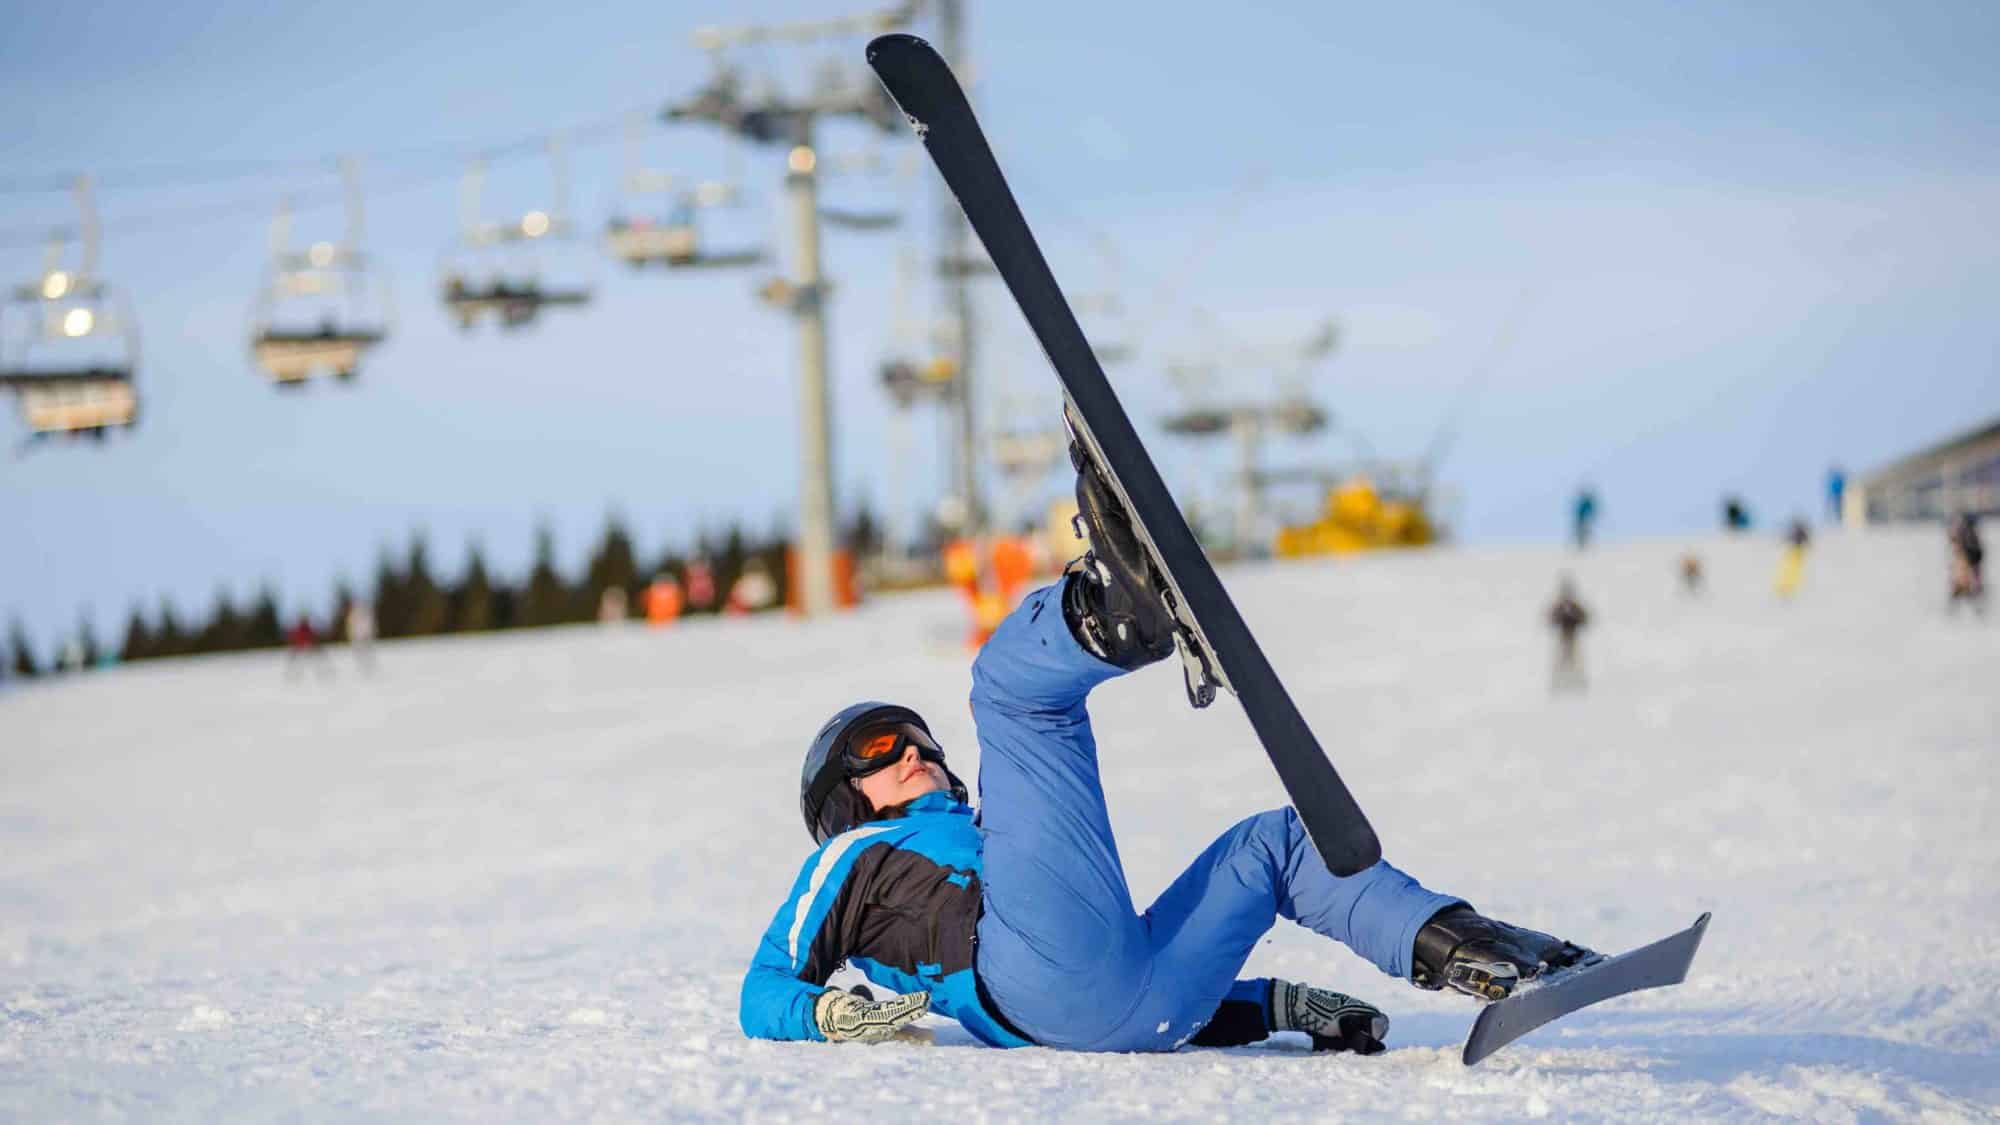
[[518, 877]]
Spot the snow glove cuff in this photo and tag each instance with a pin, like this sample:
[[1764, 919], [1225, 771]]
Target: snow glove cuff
[[844, 1017], [1335, 1020]]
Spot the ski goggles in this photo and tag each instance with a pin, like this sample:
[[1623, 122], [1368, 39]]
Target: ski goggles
[[880, 745]]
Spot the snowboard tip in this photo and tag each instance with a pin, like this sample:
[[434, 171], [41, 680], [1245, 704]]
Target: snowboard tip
[[1502, 1022], [893, 42]]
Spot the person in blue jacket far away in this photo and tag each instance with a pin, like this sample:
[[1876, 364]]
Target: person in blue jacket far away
[[1017, 921]]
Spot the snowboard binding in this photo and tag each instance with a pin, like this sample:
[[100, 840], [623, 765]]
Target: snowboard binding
[[1485, 958], [1116, 600], [1119, 557]]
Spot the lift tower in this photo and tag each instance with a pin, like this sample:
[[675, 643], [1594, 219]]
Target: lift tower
[[762, 114]]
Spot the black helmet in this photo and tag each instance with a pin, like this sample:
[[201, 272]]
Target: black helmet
[[830, 805]]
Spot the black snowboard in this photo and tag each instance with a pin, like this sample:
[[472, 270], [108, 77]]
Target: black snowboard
[[1657, 965], [1215, 645]]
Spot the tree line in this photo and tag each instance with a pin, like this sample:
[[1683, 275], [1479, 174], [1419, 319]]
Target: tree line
[[410, 599]]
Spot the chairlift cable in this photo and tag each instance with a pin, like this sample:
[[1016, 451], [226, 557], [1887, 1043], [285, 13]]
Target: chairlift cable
[[451, 160], [1475, 380], [161, 175]]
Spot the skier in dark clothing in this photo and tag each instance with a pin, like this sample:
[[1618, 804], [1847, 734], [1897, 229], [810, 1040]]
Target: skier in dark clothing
[[1735, 514], [1968, 555], [1018, 921], [1567, 617]]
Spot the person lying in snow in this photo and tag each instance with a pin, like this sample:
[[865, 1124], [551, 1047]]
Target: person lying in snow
[[1017, 921]]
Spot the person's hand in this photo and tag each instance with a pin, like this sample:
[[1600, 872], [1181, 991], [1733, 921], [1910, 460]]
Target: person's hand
[[1335, 1020], [846, 1018]]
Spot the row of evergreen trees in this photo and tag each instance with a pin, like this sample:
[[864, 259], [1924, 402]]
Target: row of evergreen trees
[[411, 600]]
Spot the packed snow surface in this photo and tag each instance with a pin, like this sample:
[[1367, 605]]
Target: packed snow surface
[[518, 877]]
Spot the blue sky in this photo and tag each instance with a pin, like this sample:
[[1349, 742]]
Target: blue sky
[[1736, 244]]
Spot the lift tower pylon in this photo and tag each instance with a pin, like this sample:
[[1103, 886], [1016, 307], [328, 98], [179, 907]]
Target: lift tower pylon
[[766, 116]]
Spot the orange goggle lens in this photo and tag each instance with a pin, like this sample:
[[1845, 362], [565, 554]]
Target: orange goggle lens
[[878, 746]]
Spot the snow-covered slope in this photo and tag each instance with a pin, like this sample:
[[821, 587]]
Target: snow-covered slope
[[518, 877]]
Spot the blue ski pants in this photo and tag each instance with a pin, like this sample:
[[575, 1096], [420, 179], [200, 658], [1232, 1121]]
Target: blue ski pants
[[1062, 951]]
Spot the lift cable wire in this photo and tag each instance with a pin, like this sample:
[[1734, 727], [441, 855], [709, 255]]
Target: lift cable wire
[[450, 163]]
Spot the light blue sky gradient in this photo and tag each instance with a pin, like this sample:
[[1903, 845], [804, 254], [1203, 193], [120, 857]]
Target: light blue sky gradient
[[1746, 241]]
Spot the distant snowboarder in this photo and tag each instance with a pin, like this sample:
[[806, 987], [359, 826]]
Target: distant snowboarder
[[1019, 923], [1968, 555], [1836, 492], [1568, 618], [1583, 516]]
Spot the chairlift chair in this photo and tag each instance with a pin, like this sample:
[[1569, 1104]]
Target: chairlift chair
[[909, 382], [674, 239], [869, 162], [69, 343], [1299, 416], [318, 312], [1028, 452], [79, 408], [907, 379], [674, 243], [861, 221], [493, 270]]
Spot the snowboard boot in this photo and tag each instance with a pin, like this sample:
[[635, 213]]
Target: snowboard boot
[[1484, 958], [1112, 599]]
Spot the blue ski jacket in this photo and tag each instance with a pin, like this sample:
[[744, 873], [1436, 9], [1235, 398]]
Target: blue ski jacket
[[897, 899]]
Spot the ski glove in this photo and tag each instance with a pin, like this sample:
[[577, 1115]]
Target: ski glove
[[1335, 1020], [844, 1017]]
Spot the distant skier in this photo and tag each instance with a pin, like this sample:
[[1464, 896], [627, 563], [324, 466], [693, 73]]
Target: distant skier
[[662, 600], [1018, 922], [360, 623], [754, 589], [1735, 515], [1968, 554], [1691, 575], [1583, 516], [302, 646], [1836, 492], [1568, 618], [1792, 563], [700, 585]]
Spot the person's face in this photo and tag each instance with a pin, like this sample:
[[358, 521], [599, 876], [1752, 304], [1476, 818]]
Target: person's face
[[909, 778]]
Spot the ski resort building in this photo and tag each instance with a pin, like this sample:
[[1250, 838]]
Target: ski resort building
[[1959, 474]]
